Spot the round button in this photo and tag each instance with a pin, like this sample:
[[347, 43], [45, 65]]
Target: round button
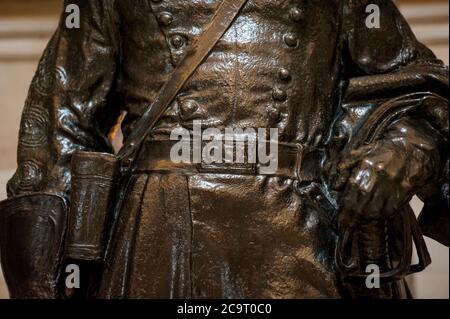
[[177, 41], [291, 40], [279, 95], [273, 113], [284, 74], [166, 18], [296, 14], [188, 107]]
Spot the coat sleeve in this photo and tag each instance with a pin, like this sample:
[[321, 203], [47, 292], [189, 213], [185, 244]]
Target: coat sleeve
[[387, 63], [69, 105]]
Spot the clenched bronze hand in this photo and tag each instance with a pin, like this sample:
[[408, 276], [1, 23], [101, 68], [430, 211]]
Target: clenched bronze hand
[[382, 177]]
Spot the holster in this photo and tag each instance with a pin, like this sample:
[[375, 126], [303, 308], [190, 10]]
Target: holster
[[32, 230], [94, 179]]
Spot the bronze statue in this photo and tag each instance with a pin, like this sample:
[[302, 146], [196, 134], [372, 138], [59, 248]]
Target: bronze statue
[[362, 120]]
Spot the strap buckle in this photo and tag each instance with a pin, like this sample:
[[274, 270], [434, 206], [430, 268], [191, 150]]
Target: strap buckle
[[309, 163]]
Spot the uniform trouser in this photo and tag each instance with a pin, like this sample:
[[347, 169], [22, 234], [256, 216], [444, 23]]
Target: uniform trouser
[[220, 236]]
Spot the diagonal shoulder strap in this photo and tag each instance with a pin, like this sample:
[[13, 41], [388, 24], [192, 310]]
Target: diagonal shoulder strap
[[198, 51]]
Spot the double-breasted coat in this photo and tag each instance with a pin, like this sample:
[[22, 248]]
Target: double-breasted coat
[[284, 64]]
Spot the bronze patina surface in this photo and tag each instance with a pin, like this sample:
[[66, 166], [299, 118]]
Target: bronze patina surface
[[312, 69]]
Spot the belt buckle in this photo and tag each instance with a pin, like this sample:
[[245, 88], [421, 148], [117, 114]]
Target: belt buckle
[[228, 168]]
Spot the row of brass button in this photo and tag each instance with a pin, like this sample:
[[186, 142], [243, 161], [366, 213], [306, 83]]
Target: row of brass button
[[291, 40]]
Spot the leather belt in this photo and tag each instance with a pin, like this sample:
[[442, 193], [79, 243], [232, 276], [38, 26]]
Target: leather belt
[[294, 161]]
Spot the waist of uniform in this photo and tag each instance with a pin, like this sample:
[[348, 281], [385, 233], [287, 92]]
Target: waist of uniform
[[296, 161]]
